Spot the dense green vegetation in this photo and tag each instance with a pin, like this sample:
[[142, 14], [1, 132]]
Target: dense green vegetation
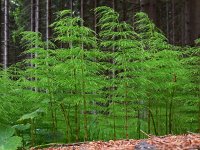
[[87, 86]]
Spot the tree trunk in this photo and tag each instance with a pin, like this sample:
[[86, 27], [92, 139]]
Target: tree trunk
[[71, 6], [173, 22], [32, 16], [152, 10], [124, 10], [1, 47], [194, 19], [37, 16], [48, 19], [187, 21], [82, 11], [32, 22], [167, 19], [95, 17], [5, 41]]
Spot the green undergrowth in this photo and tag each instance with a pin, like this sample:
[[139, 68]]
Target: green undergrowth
[[85, 86]]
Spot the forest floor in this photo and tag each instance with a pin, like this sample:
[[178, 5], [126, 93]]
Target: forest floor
[[169, 142]]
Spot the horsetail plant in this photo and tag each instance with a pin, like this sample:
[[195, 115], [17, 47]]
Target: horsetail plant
[[80, 67]]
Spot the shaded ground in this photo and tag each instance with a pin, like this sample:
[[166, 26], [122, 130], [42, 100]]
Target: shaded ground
[[170, 142]]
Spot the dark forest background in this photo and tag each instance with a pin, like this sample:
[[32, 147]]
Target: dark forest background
[[179, 20]]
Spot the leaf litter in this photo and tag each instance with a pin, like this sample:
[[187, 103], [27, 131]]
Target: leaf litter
[[170, 142]]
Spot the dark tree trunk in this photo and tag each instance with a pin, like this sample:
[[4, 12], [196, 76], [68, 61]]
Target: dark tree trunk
[[167, 20], [152, 10], [95, 17], [124, 10], [173, 22], [195, 19], [37, 16]]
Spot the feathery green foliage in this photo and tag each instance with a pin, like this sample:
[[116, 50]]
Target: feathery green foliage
[[103, 86]]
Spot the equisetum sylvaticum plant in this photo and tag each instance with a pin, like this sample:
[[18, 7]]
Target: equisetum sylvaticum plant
[[81, 85]]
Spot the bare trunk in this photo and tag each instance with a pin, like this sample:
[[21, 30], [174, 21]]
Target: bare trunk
[[1, 47], [71, 7], [5, 47], [48, 6], [1, 27], [32, 15], [152, 10], [183, 23], [194, 19], [173, 22], [95, 17], [187, 21], [167, 19], [37, 16], [124, 10], [82, 11], [32, 22]]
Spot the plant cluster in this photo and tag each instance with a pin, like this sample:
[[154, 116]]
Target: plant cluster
[[113, 84]]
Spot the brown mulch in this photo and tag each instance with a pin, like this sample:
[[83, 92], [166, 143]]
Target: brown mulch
[[170, 142]]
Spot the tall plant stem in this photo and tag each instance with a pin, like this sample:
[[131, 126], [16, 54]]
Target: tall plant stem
[[157, 115], [113, 77], [138, 123], [170, 116], [32, 133], [199, 115], [149, 116], [85, 111], [76, 123], [171, 105], [84, 99], [65, 114], [52, 109], [166, 117], [153, 121], [126, 108], [114, 121]]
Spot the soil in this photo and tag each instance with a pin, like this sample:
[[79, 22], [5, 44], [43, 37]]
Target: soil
[[169, 142]]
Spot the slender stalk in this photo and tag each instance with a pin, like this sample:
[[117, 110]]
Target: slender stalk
[[166, 117], [113, 77], [199, 116], [114, 121], [138, 123], [66, 121], [170, 116], [52, 110], [32, 133], [83, 83], [126, 110], [157, 119], [153, 121], [84, 105], [76, 123], [171, 105], [149, 116]]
